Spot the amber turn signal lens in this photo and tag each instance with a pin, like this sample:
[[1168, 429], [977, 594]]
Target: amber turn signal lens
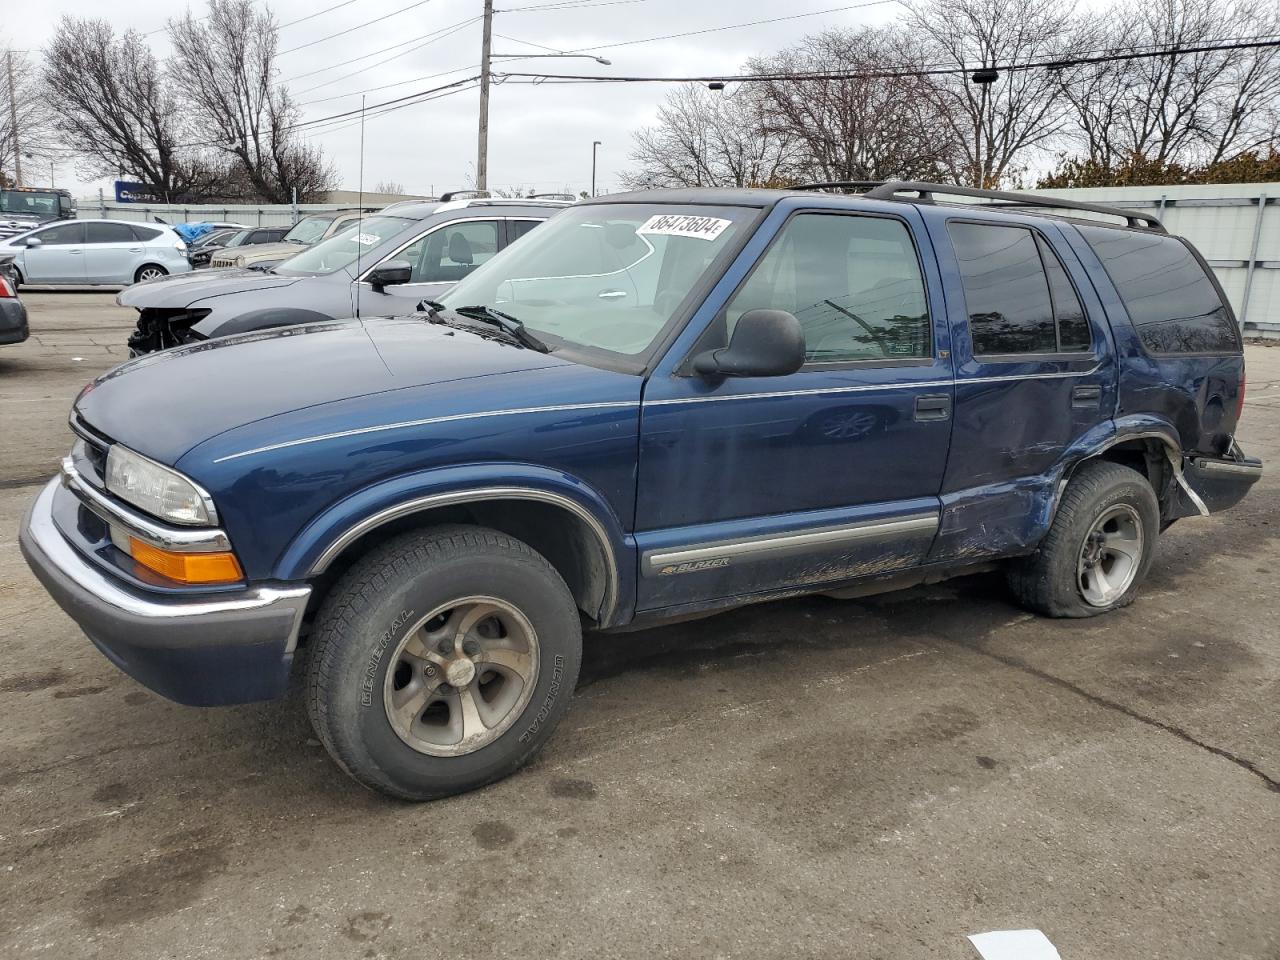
[[187, 567]]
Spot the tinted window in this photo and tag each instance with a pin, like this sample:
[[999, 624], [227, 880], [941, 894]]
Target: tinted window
[[1006, 292], [108, 233], [1073, 326], [145, 233], [518, 228], [63, 233], [853, 282], [1170, 299]]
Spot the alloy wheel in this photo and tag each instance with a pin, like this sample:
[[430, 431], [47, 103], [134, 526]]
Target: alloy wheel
[[1110, 556], [461, 677]]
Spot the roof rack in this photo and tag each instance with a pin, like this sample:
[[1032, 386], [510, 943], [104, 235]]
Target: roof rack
[[461, 194], [890, 190]]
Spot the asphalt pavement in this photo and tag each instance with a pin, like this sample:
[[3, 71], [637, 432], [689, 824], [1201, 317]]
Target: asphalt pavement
[[810, 778]]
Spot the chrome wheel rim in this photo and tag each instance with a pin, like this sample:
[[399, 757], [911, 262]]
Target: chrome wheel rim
[[150, 274], [1110, 555], [461, 676]]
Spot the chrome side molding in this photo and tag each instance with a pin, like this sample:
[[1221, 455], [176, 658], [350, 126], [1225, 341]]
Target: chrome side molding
[[723, 553]]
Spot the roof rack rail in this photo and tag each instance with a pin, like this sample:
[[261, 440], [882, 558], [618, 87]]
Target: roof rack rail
[[848, 184], [926, 191], [460, 194]]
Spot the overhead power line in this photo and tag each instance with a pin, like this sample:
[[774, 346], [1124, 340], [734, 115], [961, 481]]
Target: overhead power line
[[318, 13], [403, 53], [355, 27], [366, 56], [388, 86], [891, 73]]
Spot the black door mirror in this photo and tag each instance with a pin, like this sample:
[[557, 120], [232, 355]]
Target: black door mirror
[[389, 274], [765, 343]]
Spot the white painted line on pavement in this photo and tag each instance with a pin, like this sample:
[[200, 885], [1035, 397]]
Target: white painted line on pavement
[[1014, 945]]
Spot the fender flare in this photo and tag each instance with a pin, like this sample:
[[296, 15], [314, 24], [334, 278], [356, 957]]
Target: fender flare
[[340, 525]]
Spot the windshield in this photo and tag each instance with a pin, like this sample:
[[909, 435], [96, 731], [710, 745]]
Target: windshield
[[340, 250], [29, 203], [606, 277], [308, 230]]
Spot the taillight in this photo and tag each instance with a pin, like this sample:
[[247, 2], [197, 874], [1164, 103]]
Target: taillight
[[1240, 397], [6, 290]]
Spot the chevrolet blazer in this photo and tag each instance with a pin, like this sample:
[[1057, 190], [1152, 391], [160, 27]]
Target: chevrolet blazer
[[658, 405]]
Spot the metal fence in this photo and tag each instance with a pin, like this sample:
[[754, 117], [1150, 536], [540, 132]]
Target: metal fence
[[1232, 225]]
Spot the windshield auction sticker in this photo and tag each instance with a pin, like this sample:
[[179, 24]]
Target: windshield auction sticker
[[669, 225]]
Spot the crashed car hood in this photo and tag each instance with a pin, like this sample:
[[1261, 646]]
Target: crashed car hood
[[164, 404], [265, 251], [188, 289]]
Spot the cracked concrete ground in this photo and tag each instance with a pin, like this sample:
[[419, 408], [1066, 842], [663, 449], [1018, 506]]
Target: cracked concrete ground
[[813, 778]]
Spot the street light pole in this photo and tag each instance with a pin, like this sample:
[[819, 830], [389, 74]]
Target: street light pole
[[482, 153], [594, 145]]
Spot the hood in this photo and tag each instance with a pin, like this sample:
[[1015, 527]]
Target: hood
[[166, 403], [188, 289], [264, 251]]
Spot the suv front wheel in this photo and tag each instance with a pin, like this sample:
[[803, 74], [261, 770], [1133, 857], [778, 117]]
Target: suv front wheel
[[1099, 548], [442, 661]]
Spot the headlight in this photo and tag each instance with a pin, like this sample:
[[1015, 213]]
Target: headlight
[[158, 490]]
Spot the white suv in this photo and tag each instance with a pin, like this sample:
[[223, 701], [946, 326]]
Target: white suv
[[96, 251]]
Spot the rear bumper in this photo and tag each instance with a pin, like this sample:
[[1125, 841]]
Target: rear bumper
[[13, 321], [201, 651], [1221, 482]]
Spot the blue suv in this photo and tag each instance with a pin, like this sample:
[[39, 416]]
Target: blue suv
[[658, 405]]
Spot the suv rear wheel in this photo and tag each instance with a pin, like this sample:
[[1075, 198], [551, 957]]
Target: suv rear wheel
[[1099, 548], [442, 661]]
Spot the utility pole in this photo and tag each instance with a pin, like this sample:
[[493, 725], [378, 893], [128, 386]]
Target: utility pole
[[482, 155], [594, 146], [13, 123]]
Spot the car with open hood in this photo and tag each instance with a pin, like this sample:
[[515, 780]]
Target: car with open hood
[[380, 264], [656, 406]]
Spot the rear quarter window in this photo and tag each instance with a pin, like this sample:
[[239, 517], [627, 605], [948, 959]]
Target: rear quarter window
[[1173, 304], [144, 233]]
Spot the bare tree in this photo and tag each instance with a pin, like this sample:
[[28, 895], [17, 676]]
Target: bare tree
[[998, 126], [115, 109], [227, 59], [866, 127], [389, 186], [23, 105], [706, 138], [1186, 108]]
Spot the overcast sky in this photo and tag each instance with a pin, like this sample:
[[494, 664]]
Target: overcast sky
[[540, 136]]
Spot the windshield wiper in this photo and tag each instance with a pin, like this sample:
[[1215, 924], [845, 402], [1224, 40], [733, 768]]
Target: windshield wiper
[[504, 322]]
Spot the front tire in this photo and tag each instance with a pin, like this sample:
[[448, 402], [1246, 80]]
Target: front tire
[[1099, 548], [442, 661]]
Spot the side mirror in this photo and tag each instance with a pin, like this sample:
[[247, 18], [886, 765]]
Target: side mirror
[[765, 343], [389, 274], [33, 242]]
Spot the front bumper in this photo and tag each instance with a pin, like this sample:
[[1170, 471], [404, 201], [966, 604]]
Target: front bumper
[[201, 651]]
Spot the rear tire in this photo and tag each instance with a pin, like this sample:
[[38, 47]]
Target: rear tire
[[1098, 549], [442, 661], [149, 271]]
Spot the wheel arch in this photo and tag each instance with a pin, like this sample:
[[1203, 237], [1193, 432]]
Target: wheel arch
[[137, 274], [581, 539]]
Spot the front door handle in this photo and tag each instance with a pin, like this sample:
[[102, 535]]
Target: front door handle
[[1087, 395], [611, 294], [933, 407]]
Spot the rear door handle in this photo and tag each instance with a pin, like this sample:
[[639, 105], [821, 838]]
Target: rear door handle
[[933, 407], [1088, 395]]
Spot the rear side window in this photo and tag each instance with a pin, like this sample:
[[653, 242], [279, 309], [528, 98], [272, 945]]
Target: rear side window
[[1170, 299], [108, 232], [1016, 291], [145, 233]]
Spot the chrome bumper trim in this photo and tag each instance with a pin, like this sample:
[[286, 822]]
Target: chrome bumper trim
[[94, 596]]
